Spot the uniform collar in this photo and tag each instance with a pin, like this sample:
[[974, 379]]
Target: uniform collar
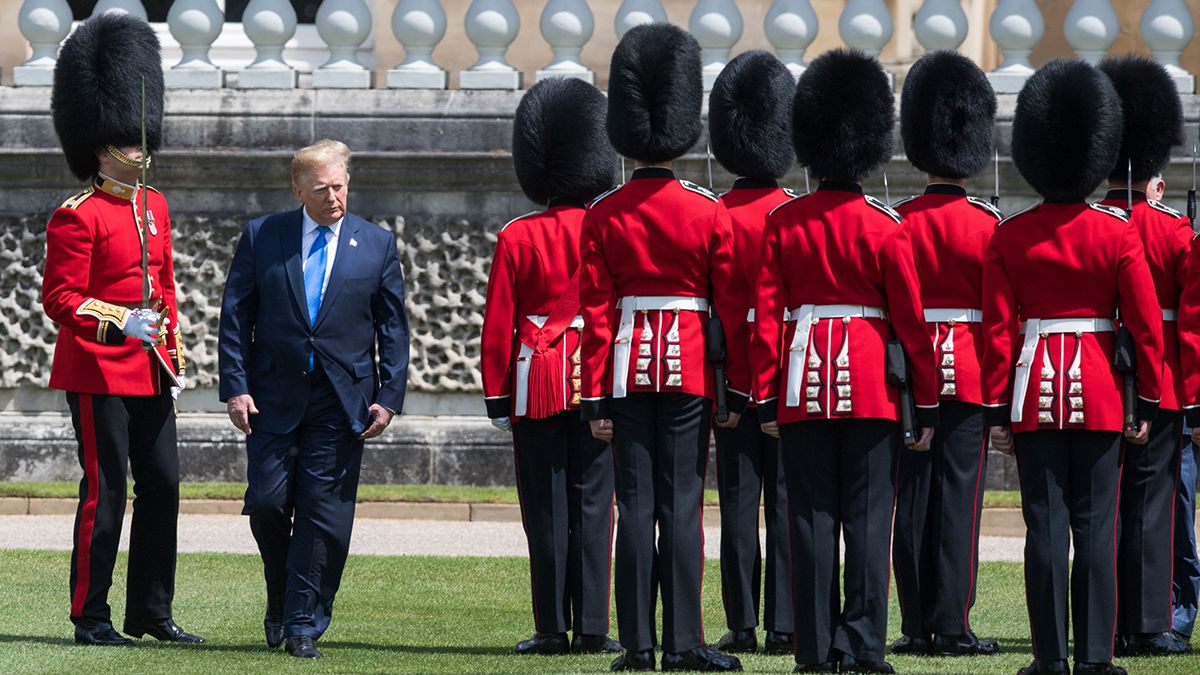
[[754, 184], [116, 188], [840, 186], [311, 225], [945, 189], [1121, 195], [652, 172]]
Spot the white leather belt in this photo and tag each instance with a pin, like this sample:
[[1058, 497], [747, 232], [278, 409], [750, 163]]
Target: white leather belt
[[1170, 315], [805, 317], [949, 315], [623, 343], [750, 316], [1034, 330], [523, 357]]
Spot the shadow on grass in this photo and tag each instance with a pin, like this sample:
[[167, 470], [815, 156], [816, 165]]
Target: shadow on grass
[[38, 639], [418, 649]]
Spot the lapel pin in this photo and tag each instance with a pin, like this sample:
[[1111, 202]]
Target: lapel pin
[[354, 242]]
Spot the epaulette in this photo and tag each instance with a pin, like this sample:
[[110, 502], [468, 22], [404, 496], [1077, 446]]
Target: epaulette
[[78, 198], [780, 206], [904, 201], [1110, 210], [884, 208], [1164, 208], [790, 192], [152, 188], [986, 206], [1027, 209], [602, 195], [689, 185], [531, 213]]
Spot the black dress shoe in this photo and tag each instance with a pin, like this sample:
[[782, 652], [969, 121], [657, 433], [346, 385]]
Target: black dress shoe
[[778, 644], [1056, 667], [702, 659], [1154, 644], [911, 645], [1098, 669], [594, 644], [164, 631], [739, 641], [827, 667], [853, 665], [643, 660], [963, 645], [274, 632], [302, 647], [544, 643], [100, 634]]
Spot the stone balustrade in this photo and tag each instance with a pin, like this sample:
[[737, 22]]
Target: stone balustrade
[[344, 27]]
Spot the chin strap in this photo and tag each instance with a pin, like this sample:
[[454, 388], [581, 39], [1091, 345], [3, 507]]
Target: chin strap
[[126, 159]]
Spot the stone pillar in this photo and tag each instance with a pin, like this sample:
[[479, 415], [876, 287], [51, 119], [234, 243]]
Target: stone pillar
[[1017, 27], [866, 25], [1167, 27], [133, 7], [717, 25], [343, 26], [44, 24], [419, 25], [940, 24], [791, 26], [636, 12], [1091, 27], [269, 24], [492, 25], [195, 25], [567, 25]]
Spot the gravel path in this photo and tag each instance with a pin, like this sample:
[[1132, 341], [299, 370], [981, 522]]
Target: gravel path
[[231, 534]]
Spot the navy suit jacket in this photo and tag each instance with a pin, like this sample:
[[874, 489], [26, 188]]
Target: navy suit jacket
[[265, 338]]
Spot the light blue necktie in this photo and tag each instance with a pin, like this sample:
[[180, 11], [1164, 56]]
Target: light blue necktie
[[314, 277]]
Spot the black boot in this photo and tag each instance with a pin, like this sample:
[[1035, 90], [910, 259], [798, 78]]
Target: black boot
[[544, 643], [163, 631], [1056, 667], [100, 634], [963, 645], [911, 645], [594, 644], [739, 641], [702, 659], [1154, 644], [778, 644], [302, 647], [853, 665], [1098, 669], [643, 660]]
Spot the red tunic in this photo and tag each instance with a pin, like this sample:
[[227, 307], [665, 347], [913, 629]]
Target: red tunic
[[838, 247], [1062, 261], [536, 255], [655, 236], [748, 203], [950, 233], [1189, 336], [93, 276], [1167, 236]]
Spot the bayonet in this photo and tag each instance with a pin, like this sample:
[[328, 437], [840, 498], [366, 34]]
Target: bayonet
[[708, 160], [807, 187], [887, 194], [623, 180], [1191, 200], [996, 188], [1129, 188]]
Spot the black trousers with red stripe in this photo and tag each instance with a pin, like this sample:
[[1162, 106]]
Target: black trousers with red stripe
[[115, 432], [1149, 475], [660, 450], [935, 550], [1069, 483], [840, 478], [565, 482], [749, 465]]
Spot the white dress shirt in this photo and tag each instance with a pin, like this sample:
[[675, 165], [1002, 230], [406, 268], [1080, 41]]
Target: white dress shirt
[[331, 241]]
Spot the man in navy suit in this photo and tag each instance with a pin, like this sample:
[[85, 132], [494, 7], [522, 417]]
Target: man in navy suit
[[312, 296]]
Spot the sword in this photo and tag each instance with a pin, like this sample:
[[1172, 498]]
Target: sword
[[708, 159], [1129, 189], [996, 189], [623, 181], [1191, 203], [142, 224], [807, 188], [887, 194]]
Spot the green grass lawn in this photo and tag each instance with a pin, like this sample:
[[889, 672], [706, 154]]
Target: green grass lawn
[[402, 615], [452, 494]]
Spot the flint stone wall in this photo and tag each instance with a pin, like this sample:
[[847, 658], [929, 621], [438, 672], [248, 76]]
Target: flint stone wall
[[433, 167]]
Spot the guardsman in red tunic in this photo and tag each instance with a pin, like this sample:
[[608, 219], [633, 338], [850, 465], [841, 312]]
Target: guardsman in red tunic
[[749, 120], [655, 253], [947, 111], [531, 369], [1054, 278], [118, 356], [837, 284], [1153, 125]]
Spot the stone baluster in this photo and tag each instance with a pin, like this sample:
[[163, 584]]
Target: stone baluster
[[1091, 27], [492, 25], [940, 24], [866, 25], [44, 24], [1167, 27], [133, 7], [195, 25], [419, 25], [269, 24], [343, 26], [567, 25], [1016, 26], [636, 12], [791, 26], [717, 25]]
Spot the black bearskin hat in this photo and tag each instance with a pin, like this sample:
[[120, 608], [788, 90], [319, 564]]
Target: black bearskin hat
[[1153, 116], [559, 145], [655, 92], [1066, 130], [97, 97], [947, 111], [843, 115], [750, 116]]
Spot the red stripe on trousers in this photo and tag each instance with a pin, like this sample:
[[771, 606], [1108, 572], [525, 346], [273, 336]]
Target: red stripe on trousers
[[974, 534], [87, 515]]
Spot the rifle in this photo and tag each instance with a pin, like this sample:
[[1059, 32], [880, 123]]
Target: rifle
[[1191, 203], [1125, 363], [996, 172], [714, 352], [1129, 189], [896, 368]]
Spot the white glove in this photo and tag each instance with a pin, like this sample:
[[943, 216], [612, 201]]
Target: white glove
[[502, 423], [175, 391], [142, 324]]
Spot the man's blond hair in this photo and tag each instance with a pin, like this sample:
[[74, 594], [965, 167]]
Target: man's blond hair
[[321, 153]]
